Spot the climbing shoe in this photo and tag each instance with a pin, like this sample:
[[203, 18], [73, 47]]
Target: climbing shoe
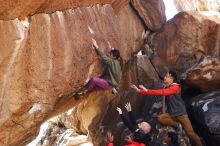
[[79, 94], [115, 90], [76, 96]]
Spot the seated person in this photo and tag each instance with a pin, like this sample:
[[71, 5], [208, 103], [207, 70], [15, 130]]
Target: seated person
[[140, 130]]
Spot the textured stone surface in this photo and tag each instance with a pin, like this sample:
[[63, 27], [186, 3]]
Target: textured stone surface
[[205, 112], [47, 57], [159, 65], [60, 130], [199, 5], [184, 39], [22, 8], [204, 75], [152, 12], [133, 39], [42, 66]]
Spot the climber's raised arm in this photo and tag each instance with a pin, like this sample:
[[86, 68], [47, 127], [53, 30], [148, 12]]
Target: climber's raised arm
[[104, 57]]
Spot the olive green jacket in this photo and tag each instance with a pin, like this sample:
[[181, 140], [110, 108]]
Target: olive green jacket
[[112, 72]]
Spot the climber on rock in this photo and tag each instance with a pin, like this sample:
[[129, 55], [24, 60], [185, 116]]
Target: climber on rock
[[111, 75], [176, 114], [129, 139], [140, 130]]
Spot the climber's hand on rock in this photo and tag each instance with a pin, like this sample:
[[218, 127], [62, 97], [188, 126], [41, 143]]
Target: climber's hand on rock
[[95, 45]]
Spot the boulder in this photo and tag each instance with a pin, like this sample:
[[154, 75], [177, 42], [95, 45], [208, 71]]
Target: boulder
[[204, 75], [185, 39], [205, 112], [20, 9], [152, 12], [41, 67], [54, 132], [132, 39], [200, 5], [159, 65], [47, 57]]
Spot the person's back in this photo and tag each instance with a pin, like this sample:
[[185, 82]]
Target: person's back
[[112, 72]]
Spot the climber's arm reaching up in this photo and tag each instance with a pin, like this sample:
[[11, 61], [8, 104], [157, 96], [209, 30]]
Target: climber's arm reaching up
[[104, 57]]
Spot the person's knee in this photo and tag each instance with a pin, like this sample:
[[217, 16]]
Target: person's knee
[[93, 79], [191, 134]]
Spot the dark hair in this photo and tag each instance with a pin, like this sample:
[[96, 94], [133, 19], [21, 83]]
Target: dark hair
[[174, 138], [125, 133], [115, 53], [140, 121], [173, 75]]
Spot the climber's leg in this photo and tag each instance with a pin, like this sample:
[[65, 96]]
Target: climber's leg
[[96, 84]]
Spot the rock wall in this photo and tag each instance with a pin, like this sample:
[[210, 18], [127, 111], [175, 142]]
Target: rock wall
[[48, 56], [23, 8], [204, 75], [152, 12], [48, 51], [199, 5], [185, 39], [205, 108], [42, 66]]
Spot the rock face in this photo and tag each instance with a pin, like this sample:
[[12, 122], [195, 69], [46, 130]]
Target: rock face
[[205, 110], [47, 53], [60, 130], [41, 67], [159, 65], [185, 38], [47, 57], [204, 75], [23, 8], [152, 12], [199, 5], [127, 19]]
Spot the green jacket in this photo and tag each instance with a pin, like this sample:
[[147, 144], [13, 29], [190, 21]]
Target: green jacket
[[112, 72]]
